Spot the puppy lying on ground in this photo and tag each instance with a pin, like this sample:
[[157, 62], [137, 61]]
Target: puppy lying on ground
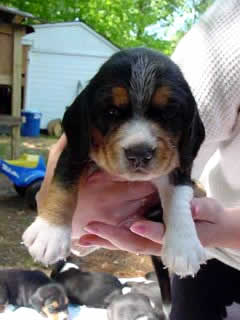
[[151, 290], [86, 288], [25, 288], [131, 306]]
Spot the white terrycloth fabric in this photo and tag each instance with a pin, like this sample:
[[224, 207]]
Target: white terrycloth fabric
[[75, 313], [209, 56]]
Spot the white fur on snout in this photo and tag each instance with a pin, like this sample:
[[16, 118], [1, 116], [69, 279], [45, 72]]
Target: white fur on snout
[[137, 132], [69, 266], [142, 318], [182, 251], [47, 243], [126, 290], [152, 304]]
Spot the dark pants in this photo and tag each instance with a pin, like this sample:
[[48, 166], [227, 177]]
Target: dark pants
[[205, 296]]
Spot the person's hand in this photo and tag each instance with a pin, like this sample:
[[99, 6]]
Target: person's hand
[[146, 237], [109, 213]]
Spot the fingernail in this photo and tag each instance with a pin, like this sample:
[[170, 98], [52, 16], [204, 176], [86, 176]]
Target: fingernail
[[138, 228], [195, 211], [91, 228]]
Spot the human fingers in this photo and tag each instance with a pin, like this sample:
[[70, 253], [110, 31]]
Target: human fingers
[[124, 239], [148, 229], [89, 240]]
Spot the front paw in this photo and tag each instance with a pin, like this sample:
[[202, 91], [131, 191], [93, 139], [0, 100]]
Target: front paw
[[183, 256], [47, 243]]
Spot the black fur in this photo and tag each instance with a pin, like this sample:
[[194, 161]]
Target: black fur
[[151, 290], [132, 306], [86, 288], [90, 109], [29, 289], [181, 117]]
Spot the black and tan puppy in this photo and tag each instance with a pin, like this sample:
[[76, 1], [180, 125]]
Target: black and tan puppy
[[151, 290], [136, 119], [86, 288], [132, 306], [25, 288]]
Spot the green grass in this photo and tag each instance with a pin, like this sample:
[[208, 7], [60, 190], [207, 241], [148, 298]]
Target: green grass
[[39, 145]]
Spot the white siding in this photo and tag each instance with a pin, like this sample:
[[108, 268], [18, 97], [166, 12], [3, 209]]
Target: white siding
[[53, 79], [61, 55], [70, 37]]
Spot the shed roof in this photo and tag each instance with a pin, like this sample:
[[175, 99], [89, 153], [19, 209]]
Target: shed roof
[[79, 24], [12, 15]]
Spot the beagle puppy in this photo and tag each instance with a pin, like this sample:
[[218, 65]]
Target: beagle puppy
[[27, 288], [91, 289], [138, 120], [132, 306]]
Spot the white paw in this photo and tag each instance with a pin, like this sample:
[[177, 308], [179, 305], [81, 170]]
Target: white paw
[[184, 255], [47, 243]]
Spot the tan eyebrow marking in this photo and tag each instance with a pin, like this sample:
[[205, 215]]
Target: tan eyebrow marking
[[161, 96], [54, 304], [120, 96]]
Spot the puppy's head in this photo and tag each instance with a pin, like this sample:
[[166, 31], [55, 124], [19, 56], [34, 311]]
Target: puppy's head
[[132, 306], [137, 118], [51, 301]]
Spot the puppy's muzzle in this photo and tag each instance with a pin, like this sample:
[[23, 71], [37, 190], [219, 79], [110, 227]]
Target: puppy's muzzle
[[139, 156]]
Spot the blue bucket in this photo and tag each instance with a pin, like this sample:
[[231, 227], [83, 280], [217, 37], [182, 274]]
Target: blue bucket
[[31, 124]]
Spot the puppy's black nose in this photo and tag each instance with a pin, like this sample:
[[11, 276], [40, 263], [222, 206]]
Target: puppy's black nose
[[139, 155]]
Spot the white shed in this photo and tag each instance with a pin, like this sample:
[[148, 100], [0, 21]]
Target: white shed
[[61, 60]]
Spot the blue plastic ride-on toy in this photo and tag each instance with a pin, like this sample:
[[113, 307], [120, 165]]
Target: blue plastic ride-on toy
[[26, 174]]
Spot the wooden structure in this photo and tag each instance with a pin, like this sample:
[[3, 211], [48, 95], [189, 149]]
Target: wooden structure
[[13, 60]]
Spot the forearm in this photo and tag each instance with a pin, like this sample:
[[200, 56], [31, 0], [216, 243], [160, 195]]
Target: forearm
[[227, 246]]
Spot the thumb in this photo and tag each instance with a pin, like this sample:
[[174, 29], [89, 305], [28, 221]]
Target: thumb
[[153, 231]]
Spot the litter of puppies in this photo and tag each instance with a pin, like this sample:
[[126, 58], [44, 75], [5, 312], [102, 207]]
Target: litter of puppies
[[69, 285]]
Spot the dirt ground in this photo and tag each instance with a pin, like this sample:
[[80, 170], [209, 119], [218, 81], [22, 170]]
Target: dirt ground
[[14, 218]]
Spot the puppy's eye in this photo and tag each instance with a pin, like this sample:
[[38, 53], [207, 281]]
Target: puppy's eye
[[170, 111], [113, 112]]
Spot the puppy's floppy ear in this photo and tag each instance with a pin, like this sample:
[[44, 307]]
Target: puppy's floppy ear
[[36, 301], [76, 126], [57, 268], [109, 299], [192, 136]]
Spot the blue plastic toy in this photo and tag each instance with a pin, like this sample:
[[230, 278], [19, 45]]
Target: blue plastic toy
[[26, 174]]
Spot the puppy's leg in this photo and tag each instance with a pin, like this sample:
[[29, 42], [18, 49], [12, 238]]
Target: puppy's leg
[[49, 237], [182, 251]]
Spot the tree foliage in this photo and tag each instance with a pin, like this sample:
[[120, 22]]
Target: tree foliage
[[125, 22], [192, 10]]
